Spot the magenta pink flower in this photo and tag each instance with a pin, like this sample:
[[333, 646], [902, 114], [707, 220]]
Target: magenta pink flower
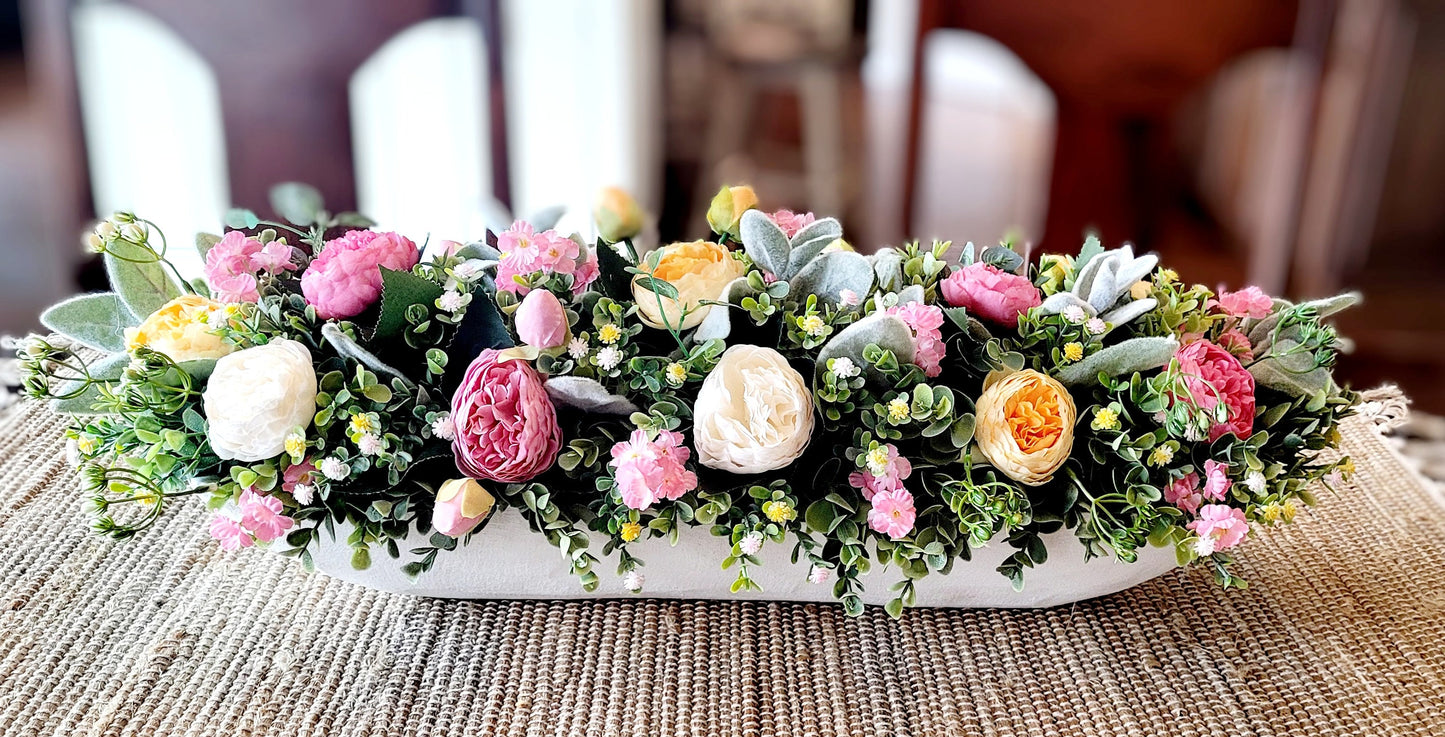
[[261, 516], [791, 222], [990, 293], [541, 321], [1212, 374], [345, 278], [648, 470], [925, 322], [892, 513], [506, 427], [1247, 302], [1184, 493], [895, 468], [228, 532], [1216, 480], [1223, 526], [298, 473]]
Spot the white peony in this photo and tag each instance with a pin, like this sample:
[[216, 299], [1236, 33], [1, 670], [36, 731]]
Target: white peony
[[256, 397], [754, 413]]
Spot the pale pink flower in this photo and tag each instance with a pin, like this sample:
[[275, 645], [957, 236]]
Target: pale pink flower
[[505, 424], [991, 293], [925, 322], [892, 513], [818, 575], [895, 469], [541, 321], [519, 243], [848, 298], [1216, 480], [345, 278], [586, 273], [556, 253], [1247, 302], [526, 253], [273, 258], [261, 516], [791, 222], [751, 543], [231, 270], [647, 470], [229, 533], [1223, 525], [298, 473], [1184, 493]]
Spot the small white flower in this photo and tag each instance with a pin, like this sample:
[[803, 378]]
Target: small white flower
[[1203, 547], [1255, 482], [467, 270], [818, 575], [106, 229], [1096, 326], [133, 232], [577, 349], [9, 343], [844, 368], [1161, 416], [451, 301], [1335, 479], [72, 453], [1075, 314], [1192, 433], [849, 298], [751, 543], [304, 493], [136, 366], [443, 427], [335, 469], [369, 444], [608, 358], [632, 581]]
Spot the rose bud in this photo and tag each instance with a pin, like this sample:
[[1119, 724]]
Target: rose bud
[[618, 215], [541, 320], [727, 208], [461, 505]]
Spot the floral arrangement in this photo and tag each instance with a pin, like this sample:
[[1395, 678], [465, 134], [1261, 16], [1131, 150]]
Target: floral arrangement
[[768, 384]]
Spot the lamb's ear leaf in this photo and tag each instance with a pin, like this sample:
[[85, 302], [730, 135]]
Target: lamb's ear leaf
[[1128, 357], [199, 369], [911, 293], [241, 219], [807, 243], [1331, 305], [1273, 374], [138, 278], [1129, 311], [94, 320], [831, 273], [764, 242], [299, 203], [887, 267], [547, 217], [399, 291], [204, 242], [887, 331], [718, 323], [105, 369], [1002, 258], [347, 347], [479, 251], [588, 395]]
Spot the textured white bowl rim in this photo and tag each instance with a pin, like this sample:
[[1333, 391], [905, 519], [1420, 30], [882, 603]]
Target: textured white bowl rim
[[507, 560]]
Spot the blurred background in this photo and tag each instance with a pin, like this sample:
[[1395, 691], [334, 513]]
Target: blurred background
[[1293, 145]]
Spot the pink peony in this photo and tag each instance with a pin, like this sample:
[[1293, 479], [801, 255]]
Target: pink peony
[[648, 470], [345, 278], [1184, 493], [925, 322], [1211, 374], [541, 321], [505, 424], [1216, 480], [1222, 525], [1247, 302], [892, 513], [791, 222], [896, 469], [990, 293], [261, 516]]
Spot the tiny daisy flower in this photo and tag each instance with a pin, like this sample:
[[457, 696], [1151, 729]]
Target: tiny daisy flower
[[812, 325], [1105, 418], [843, 367], [1169, 275], [1203, 546], [369, 444], [609, 333], [363, 424], [1288, 510], [849, 298], [577, 349], [304, 494], [1073, 352], [335, 469], [630, 531], [898, 410], [1096, 326], [1255, 482], [608, 358], [466, 271], [676, 373], [1075, 314], [296, 444], [751, 543], [443, 427], [818, 575], [1161, 455], [779, 511], [451, 301], [878, 460], [86, 444], [632, 581]]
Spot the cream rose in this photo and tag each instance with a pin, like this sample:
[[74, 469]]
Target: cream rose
[[1025, 425], [700, 271], [184, 329], [754, 413], [256, 397]]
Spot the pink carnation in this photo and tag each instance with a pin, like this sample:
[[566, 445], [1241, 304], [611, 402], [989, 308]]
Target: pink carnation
[[791, 222], [649, 470], [991, 293], [1212, 375], [1184, 493], [261, 516], [892, 513], [526, 253], [1247, 302], [1223, 525], [506, 427], [228, 532], [345, 278], [925, 322], [1216, 480], [897, 469]]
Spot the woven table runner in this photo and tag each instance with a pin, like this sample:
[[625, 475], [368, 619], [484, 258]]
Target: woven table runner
[[1342, 632]]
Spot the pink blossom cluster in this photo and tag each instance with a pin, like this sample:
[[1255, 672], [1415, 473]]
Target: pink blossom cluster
[[345, 278], [260, 520], [991, 293], [926, 323], [526, 252], [791, 222], [1188, 494], [1249, 302], [647, 470], [234, 265], [1213, 375], [895, 470], [892, 512], [1221, 525]]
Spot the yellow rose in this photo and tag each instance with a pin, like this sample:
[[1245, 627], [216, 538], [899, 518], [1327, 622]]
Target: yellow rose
[[618, 215], [699, 270], [1053, 270], [183, 329], [727, 209], [1025, 426]]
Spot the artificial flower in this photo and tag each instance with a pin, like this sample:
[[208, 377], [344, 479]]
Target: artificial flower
[[892, 513], [617, 214], [234, 264], [261, 516], [1249, 302], [925, 322], [1025, 426], [649, 469], [528, 254], [1212, 376], [886, 469], [699, 271], [1221, 525], [1184, 492], [461, 505], [791, 222], [256, 397], [505, 424], [542, 321], [754, 412], [184, 329], [345, 277], [991, 293], [727, 208]]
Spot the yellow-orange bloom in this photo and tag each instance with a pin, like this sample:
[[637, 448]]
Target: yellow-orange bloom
[[727, 208], [184, 329], [1025, 426], [699, 270]]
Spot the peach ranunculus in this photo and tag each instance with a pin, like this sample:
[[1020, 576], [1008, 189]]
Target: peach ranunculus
[[700, 270], [184, 329], [1025, 426]]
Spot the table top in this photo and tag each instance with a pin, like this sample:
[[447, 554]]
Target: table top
[[1342, 632]]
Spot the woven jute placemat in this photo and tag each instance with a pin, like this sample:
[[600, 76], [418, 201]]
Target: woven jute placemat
[[1341, 632]]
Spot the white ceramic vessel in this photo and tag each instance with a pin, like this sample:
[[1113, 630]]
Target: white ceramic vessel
[[507, 560]]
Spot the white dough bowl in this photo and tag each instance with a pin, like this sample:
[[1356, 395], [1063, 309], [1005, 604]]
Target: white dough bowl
[[506, 560]]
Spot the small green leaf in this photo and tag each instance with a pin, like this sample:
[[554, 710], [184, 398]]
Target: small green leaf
[[241, 218], [204, 243]]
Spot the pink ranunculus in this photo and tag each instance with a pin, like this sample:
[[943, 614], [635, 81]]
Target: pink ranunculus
[[345, 278], [541, 320], [991, 293], [230, 269], [791, 222], [1223, 525], [924, 321], [1247, 302], [506, 427], [1216, 480], [896, 469], [892, 513], [1184, 493], [648, 470], [1212, 375]]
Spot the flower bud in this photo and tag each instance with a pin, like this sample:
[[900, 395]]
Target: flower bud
[[618, 215], [106, 230], [95, 243], [461, 505], [133, 233], [122, 217], [727, 209], [541, 320]]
